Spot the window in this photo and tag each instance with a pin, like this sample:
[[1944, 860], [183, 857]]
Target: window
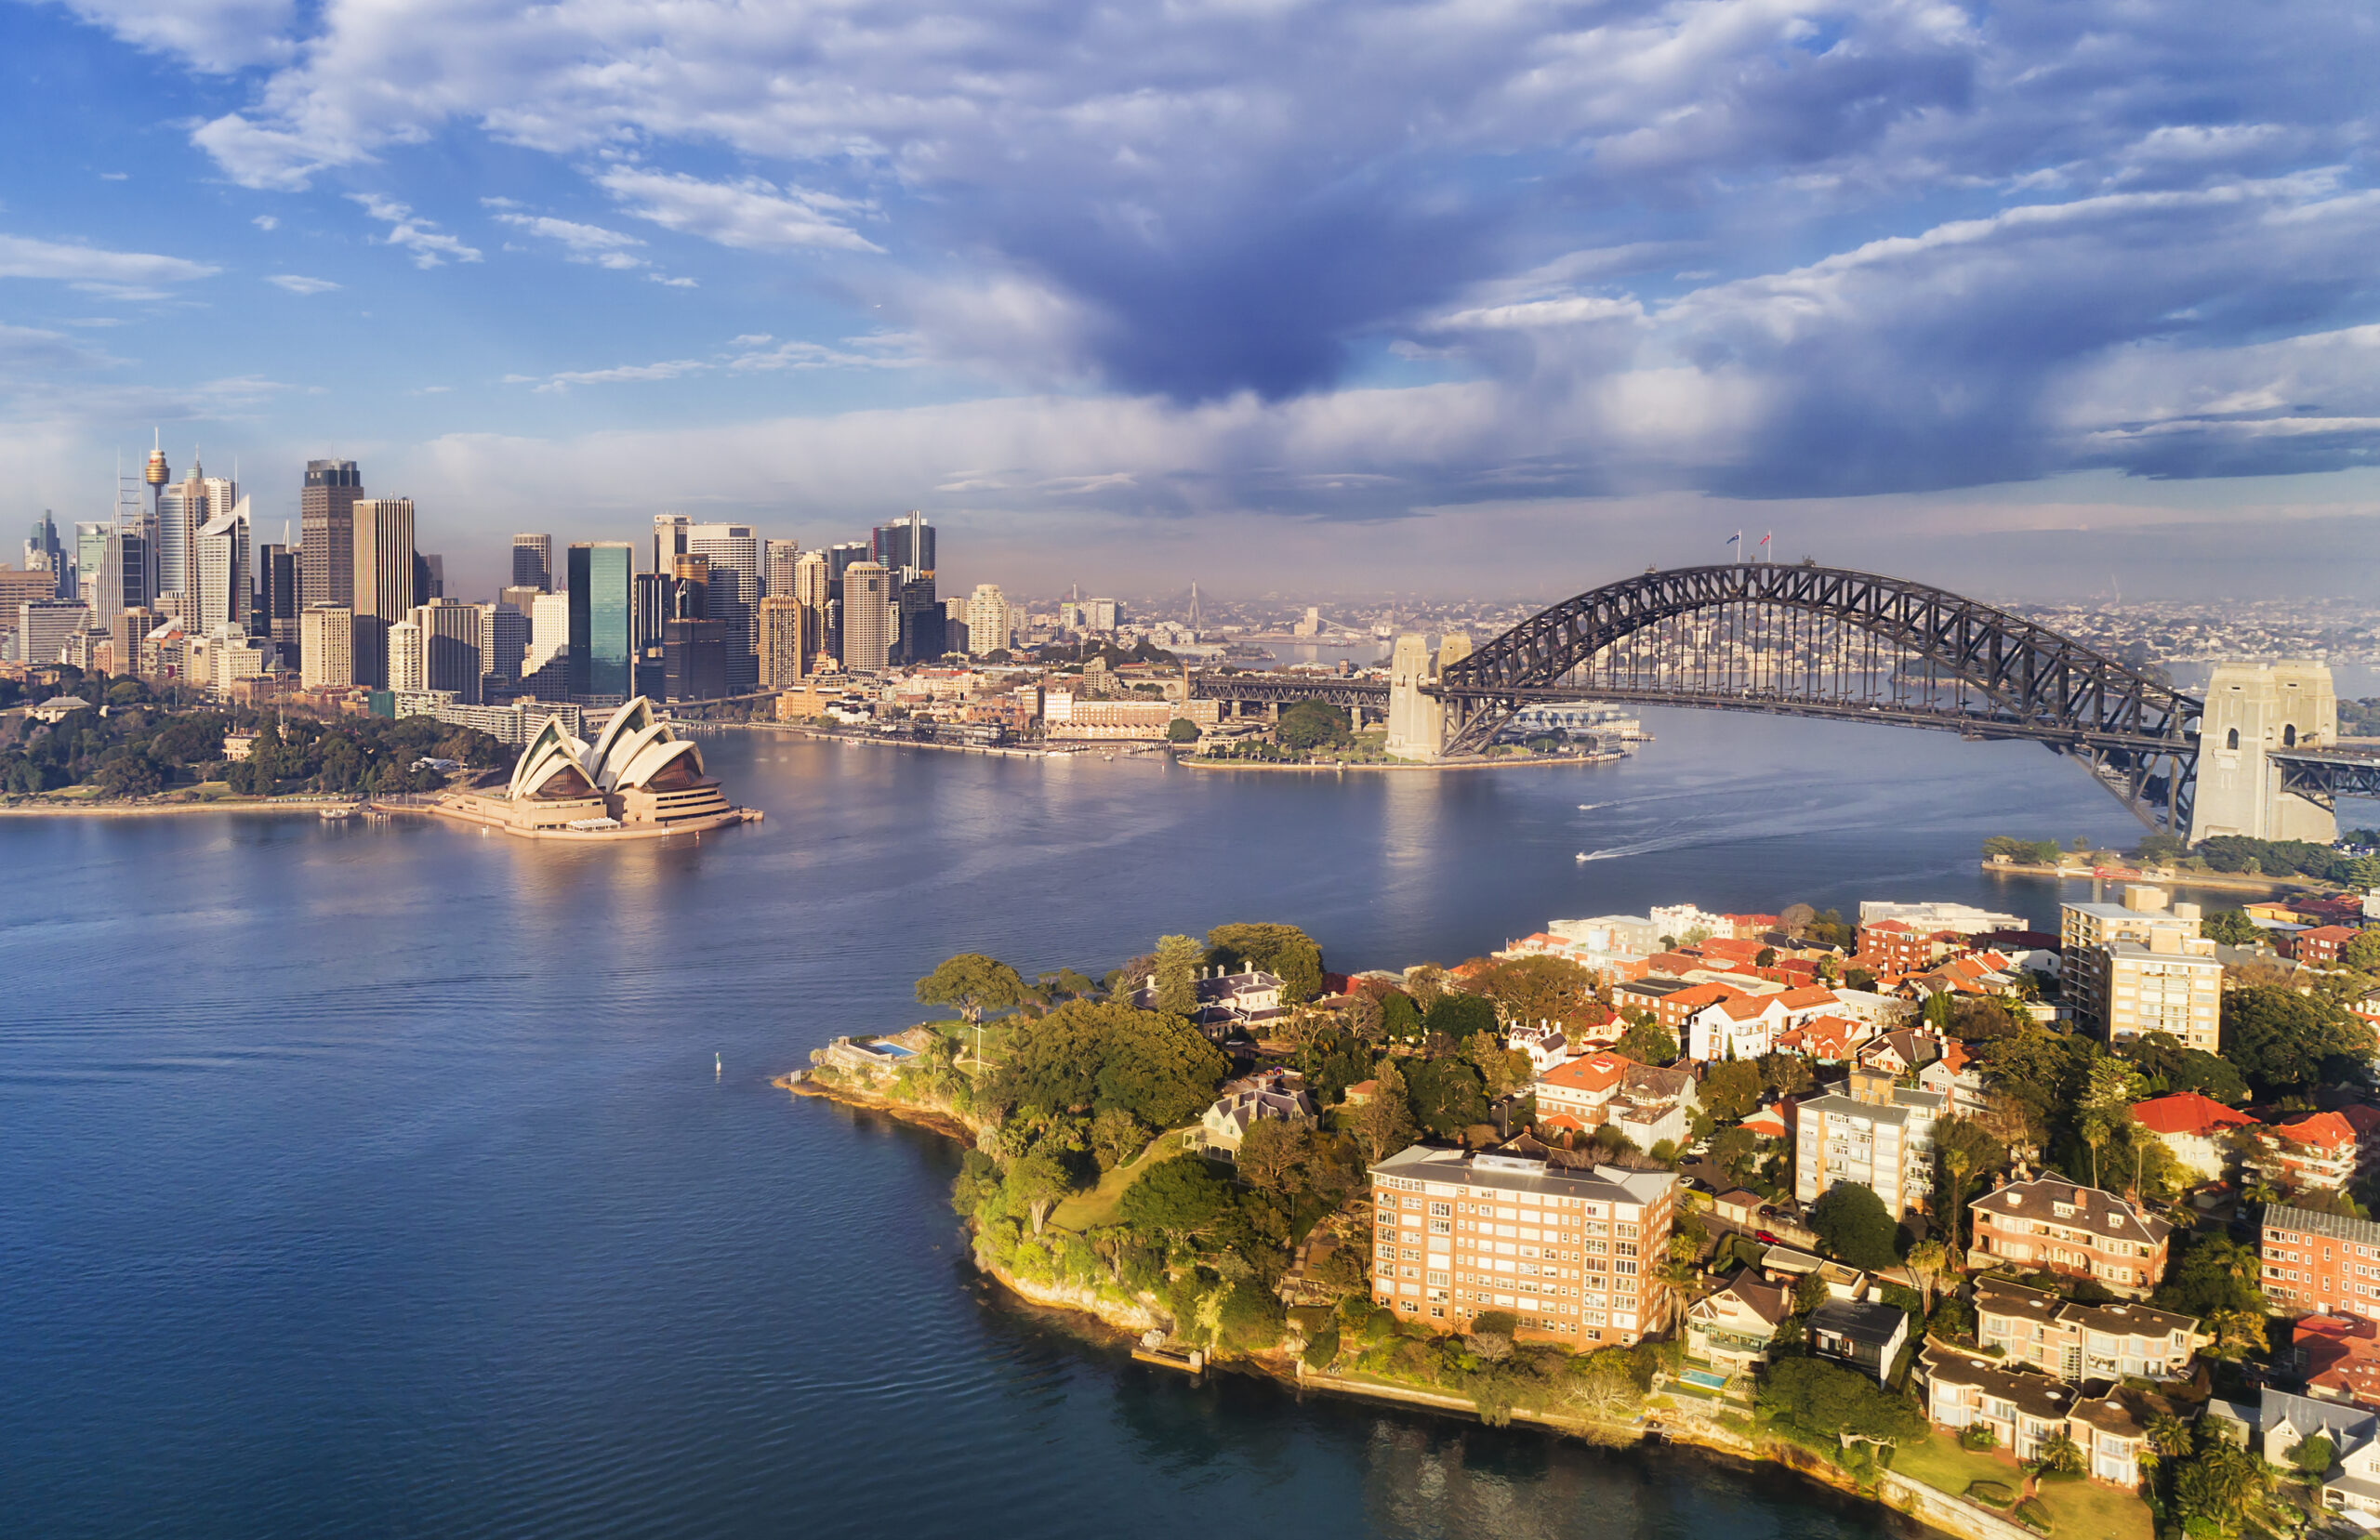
[[2289, 736], [1441, 1226], [2231, 739], [1442, 1210]]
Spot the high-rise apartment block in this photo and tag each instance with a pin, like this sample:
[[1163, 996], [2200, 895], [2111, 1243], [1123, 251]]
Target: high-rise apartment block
[[867, 616], [1871, 1133], [2164, 946], [326, 647], [504, 641], [273, 607], [408, 659], [327, 532], [1574, 1254], [533, 561], [603, 600], [988, 620], [45, 625], [786, 644]]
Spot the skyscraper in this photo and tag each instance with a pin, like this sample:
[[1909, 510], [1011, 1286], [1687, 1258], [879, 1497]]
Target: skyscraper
[[602, 583], [327, 532], [43, 550], [839, 558], [735, 600], [451, 658], [90, 555], [428, 576], [780, 558], [383, 580], [222, 574], [668, 539], [786, 644], [183, 510], [504, 641], [533, 561], [867, 616], [124, 575], [905, 546], [921, 634], [275, 614]]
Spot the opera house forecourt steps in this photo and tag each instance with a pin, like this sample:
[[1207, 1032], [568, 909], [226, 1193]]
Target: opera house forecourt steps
[[637, 780]]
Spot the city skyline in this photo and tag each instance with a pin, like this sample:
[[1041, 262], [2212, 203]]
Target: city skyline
[[1890, 281]]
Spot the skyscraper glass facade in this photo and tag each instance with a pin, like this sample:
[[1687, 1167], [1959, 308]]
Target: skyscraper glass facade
[[603, 618]]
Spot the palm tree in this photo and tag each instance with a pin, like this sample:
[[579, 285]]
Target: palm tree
[[1927, 1261]]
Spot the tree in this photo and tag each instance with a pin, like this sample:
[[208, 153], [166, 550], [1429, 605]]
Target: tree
[[1177, 1198], [1609, 1385], [2363, 953], [1116, 1135], [1270, 1153], [974, 984], [2313, 1456], [1647, 1042], [1400, 1021], [1829, 1400], [1178, 961], [2216, 1278], [1446, 1096], [1502, 1071], [1384, 1124], [1964, 1151], [2218, 1483], [2231, 927], [1730, 1092], [2282, 1041], [2058, 1455], [2109, 1088], [1457, 1015], [1529, 990], [1311, 724], [1041, 1179], [1182, 729], [1090, 1055], [1854, 1226], [1927, 1261]]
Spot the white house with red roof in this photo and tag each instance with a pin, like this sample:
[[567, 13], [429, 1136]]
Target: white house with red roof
[[2192, 1128], [1744, 1027], [1574, 1094], [2312, 1151]]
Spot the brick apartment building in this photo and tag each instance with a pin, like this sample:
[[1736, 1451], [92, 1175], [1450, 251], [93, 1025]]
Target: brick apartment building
[[2078, 1232], [2321, 1262], [2077, 1342], [2321, 946], [1571, 1252], [1895, 946]]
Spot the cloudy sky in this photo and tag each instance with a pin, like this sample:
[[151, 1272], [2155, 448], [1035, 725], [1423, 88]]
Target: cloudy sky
[[1502, 297]]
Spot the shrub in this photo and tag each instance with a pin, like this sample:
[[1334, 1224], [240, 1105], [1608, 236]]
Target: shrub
[[1996, 1493], [2034, 1515], [1322, 1350], [1978, 1435]]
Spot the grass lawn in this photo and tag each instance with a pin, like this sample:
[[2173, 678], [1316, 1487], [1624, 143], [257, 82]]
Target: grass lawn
[[2081, 1509], [1089, 1210]]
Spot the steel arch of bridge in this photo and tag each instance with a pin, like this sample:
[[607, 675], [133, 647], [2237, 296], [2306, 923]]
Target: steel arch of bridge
[[2139, 736]]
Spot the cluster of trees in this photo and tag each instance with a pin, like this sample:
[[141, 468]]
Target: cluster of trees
[[141, 747], [1497, 1374]]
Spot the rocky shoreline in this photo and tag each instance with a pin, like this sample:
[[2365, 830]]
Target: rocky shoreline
[[1911, 1500]]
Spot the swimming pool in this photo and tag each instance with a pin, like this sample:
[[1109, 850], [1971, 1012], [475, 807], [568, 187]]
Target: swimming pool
[[1703, 1377]]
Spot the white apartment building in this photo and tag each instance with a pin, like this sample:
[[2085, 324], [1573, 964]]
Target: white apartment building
[[988, 618], [2087, 932], [1873, 1133]]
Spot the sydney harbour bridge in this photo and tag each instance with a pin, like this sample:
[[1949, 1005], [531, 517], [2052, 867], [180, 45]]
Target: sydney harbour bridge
[[2256, 754]]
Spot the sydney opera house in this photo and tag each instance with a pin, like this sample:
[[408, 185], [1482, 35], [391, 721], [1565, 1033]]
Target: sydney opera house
[[638, 777]]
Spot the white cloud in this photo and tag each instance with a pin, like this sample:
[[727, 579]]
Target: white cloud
[[297, 284], [751, 215], [429, 246], [124, 275], [266, 222], [217, 36], [592, 243], [673, 282]]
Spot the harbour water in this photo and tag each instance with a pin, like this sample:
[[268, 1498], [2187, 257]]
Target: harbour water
[[377, 1180]]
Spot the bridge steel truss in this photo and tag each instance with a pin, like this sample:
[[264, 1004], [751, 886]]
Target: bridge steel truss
[[2325, 775], [1824, 641]]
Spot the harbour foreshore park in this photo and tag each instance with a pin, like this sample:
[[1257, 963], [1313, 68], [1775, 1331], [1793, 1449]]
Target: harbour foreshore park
[[2018, 1229]]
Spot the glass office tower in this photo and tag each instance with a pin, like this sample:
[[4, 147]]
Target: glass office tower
[[603, 619]]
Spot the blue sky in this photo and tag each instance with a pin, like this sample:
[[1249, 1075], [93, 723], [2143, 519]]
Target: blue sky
[[1283, 293]]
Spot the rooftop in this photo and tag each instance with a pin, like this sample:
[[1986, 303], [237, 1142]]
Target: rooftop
[[2005, 1297], [2281, 1217], [2101, 1213], [1518, 1174], [2189, 1112]]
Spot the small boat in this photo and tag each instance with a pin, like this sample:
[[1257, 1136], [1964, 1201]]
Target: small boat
[[1580, 856], [338, 812]]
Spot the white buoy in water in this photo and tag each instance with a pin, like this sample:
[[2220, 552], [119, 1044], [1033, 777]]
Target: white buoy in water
[[716, 1068]]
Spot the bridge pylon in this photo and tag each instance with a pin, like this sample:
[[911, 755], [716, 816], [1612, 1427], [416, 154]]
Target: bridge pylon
[[1418, 722], [2253, 711]]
